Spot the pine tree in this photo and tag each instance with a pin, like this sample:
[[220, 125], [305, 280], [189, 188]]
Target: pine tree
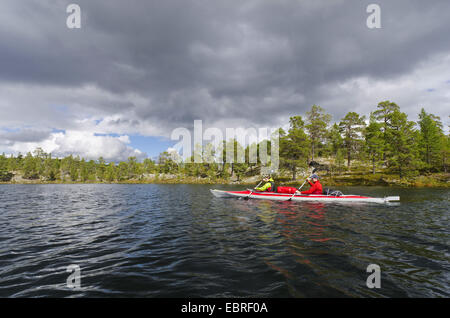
[[234, 155], [402, 144], [51, 168], [30, 167], [209, 160], [149, 165], [133, 170], [351, 127], [84, 172], [251, 153], [100, 169], [384, 114], [430, 139], [295, 146], [5, 174], [334, 140], [74, 170], [122, 171], [374, 142], [317, 122], [111, 172]]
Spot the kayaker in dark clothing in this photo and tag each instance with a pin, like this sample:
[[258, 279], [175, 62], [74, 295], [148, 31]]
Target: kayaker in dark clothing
[[316, 187]]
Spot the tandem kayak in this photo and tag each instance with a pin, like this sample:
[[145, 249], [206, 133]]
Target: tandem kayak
[[301, 197]]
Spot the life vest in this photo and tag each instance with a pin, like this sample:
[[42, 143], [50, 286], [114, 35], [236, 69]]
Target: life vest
[[273, 187]]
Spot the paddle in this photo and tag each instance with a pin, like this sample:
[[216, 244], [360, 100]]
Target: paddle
[[301, 186], [247, 197]]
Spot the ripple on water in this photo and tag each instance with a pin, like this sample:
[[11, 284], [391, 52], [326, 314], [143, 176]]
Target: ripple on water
[[179, 241]]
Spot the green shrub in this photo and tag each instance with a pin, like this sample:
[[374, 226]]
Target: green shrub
[[5, 176]]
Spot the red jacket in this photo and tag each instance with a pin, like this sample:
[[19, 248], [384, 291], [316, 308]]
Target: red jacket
[[316, 188]]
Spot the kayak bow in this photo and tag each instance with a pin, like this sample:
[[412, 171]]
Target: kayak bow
[[301, 197]]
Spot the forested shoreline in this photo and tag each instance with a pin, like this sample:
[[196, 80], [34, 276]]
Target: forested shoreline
[[389, 149]]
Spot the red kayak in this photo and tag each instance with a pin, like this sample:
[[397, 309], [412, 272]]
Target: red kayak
[[301, 197]]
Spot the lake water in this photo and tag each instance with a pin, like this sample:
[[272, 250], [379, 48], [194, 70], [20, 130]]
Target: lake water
[[180, 241]]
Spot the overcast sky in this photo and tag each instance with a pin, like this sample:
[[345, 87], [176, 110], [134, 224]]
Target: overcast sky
[[136, 70]]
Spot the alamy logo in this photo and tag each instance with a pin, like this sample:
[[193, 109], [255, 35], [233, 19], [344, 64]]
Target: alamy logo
[[74, 19], [211, 146], [374, 19], [74, 279], [374, 279]]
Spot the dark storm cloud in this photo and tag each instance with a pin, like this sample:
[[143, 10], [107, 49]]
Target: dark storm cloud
[[208, 60], [24, 135]]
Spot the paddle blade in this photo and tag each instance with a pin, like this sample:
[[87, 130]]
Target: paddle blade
[[388, 199]]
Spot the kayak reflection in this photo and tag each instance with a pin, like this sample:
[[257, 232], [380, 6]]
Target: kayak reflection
[[310, 217], [303, 229]]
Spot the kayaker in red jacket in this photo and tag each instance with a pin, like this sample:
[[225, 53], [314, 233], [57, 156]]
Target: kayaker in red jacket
[[316, 187]]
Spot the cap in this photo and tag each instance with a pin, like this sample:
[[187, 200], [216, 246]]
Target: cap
[[314, 176]]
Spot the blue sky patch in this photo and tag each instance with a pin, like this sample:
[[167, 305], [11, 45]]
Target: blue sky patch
[[153, 146]]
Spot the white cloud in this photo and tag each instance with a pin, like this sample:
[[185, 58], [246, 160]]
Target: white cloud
[[84, 144]]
